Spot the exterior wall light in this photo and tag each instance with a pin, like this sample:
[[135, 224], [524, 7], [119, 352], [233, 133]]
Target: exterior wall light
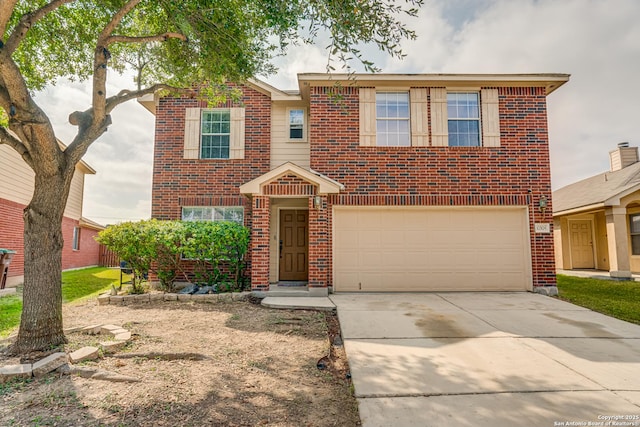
[[542, 203], [317, 202]]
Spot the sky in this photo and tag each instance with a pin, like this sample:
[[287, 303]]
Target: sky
[[596, 41]]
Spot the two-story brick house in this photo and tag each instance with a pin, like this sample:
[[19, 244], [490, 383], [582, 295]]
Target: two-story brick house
[[384, 182]]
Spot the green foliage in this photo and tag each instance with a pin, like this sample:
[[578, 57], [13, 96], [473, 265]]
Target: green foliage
[[133, 242], [619, 299], [216, 249], [225, 39]]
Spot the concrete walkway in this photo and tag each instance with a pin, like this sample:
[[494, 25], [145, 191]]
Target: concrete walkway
[[488, 359]]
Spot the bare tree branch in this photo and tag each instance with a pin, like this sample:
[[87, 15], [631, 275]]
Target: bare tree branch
[[145, 39], [6, 137], [127, 95], [101, 56], [28, 20], [6, 10]]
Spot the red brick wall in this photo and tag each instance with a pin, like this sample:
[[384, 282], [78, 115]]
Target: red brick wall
[[181, 182], [260, 243], [516, 173], [11, 237]]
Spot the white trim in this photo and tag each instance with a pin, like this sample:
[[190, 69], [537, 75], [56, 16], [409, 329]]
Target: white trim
[[325, 184], [305, 125]]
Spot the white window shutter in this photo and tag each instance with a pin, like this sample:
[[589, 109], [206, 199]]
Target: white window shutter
[[367, 117], [490, 118], [192, 133], [439, 117], [236, 139], [419, 119]]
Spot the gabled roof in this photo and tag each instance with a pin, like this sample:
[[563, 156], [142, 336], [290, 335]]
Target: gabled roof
[[325, 184], [605, 189]]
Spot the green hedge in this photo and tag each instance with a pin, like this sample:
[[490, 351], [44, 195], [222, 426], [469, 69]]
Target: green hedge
[[217, 249]]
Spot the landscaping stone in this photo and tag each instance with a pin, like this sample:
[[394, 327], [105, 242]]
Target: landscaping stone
[[112, 346], [106, 329], [49, 363], [72, 330], [115, 332], [170, 297], [124, 336], [85, 353], [129, 299], [239, 296], [199, 297], [92, 329], [190, 289], [210, 297], [104, 300], [10, 372], [185, 297], [156, 297], [116, 300], [142, 298]]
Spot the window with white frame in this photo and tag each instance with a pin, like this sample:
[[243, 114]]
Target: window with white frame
[[213, 213], [76, 238], [634, 230], [296, 124], [463, 110], [392, 119], [215, 134]]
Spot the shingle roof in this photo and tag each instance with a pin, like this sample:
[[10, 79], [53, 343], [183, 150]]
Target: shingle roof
[[596, 189]]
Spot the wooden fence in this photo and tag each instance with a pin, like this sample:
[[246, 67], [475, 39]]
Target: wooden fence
[[108, 258]]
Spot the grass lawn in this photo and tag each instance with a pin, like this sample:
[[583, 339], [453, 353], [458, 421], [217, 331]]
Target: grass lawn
[[611, 297], [77, 285]]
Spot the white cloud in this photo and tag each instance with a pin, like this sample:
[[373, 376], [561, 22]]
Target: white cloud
[[595, 41]]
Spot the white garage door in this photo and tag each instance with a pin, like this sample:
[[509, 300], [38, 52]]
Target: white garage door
[[430, 249]]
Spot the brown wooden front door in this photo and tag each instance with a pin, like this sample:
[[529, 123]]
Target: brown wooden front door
[[294, 247]]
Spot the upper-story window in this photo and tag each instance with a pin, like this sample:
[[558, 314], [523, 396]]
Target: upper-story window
[[216, 133], [392, 119], [296, 124], [213, 213], [463, 110]]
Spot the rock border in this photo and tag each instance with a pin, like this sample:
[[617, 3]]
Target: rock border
[[63, 361], [106, 299]]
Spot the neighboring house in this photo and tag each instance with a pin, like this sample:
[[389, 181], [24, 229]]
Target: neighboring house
[[16, 189], [385, 182], [597, 220]]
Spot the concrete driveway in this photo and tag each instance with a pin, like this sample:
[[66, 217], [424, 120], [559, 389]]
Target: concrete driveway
[[488, 359]]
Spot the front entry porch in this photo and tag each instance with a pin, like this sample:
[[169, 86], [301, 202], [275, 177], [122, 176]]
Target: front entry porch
[[289, 231]]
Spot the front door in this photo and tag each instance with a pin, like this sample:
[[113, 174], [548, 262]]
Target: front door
[[581, 244], [294, 248]]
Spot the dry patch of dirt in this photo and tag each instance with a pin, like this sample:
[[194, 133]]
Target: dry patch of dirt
[[255, 366]]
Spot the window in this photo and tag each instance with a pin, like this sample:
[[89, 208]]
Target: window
[[213, 213], [296, 124], [463, 110], [634, 229], [392, 119], [76, 238], [216, 132]]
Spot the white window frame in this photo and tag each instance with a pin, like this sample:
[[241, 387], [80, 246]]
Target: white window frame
[[290, 125], [76, 239], [477, 119], [203, 134], [212, 213], [403, 139]]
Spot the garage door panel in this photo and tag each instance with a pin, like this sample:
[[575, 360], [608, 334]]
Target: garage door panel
[[431, 249]]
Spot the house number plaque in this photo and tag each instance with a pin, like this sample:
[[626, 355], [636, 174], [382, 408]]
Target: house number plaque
[[542, 228]]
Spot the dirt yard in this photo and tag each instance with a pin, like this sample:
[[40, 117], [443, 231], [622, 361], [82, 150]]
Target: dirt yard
[[253, 366]]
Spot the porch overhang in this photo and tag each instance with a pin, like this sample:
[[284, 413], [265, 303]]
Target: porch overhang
[[324, 184]]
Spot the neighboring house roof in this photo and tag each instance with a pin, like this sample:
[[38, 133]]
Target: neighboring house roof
[[604, 189], [87, 223]]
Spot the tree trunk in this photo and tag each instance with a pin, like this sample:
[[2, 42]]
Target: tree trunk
[[41, 322]]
